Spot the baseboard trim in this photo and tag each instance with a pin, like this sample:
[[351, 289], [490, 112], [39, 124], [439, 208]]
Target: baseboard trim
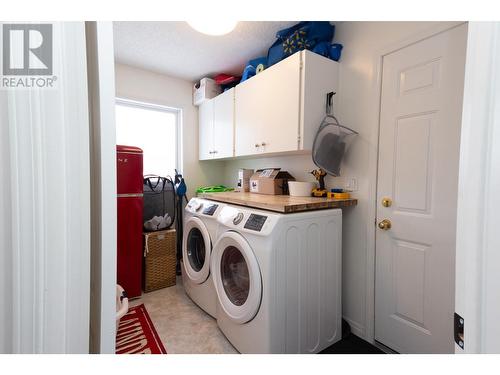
[[384, 348], [356, 328]]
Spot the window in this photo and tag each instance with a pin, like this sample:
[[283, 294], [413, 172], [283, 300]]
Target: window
[[152, 128]]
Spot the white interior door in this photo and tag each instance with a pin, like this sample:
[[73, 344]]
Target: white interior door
[[45, 206], [421, 107]]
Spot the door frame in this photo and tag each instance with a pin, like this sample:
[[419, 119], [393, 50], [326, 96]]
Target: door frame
[[378, 58], [101, 88], [478, 259]]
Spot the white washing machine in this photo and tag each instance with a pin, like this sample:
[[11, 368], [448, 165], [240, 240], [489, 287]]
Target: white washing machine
[[200, 228], [278, 279]]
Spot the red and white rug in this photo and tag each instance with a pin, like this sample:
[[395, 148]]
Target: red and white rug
[[137, 334]]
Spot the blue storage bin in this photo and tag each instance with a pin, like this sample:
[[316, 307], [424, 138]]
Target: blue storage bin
[[304, 35], [336, 51]]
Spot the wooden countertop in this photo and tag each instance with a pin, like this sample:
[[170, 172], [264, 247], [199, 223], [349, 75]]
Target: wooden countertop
[[278, 203]]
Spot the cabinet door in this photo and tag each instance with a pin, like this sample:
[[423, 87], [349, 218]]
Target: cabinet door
[[267, 110], [206, 129], [224, 124], [320, 76]]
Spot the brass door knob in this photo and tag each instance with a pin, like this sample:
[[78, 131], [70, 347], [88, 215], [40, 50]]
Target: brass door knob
[[385, 224], [386, 202]]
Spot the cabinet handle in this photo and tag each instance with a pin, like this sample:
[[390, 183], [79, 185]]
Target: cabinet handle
[[215, 151], [263, 144], [257, 145]]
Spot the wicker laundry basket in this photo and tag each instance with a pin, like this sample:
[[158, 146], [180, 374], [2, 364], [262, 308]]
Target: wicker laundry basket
[[159, 259]]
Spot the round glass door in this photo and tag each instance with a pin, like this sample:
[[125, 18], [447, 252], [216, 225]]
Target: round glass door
[[196, 248], [237, 277]]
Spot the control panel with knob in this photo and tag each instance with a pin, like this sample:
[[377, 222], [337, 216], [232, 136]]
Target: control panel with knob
[[194, 205], [238, 218]]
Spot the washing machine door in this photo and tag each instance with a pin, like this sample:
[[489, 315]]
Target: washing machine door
[[237, 277], [196, 249]]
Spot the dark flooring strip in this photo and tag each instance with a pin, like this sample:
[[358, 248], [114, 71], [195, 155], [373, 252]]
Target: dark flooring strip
[[352, 344]]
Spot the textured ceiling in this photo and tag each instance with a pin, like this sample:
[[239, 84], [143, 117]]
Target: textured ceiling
[[175, 49]]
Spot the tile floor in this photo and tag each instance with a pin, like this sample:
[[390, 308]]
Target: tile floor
[[183, 327]]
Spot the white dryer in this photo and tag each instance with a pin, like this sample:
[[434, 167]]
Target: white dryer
[[200, 229], [278, 279]]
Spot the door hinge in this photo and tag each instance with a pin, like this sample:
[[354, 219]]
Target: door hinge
[[459, 330]]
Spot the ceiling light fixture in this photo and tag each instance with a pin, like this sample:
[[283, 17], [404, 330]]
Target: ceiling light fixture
[[213, 27]]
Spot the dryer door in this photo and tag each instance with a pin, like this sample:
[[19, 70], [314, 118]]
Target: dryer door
[[237, 277], [196, 248]]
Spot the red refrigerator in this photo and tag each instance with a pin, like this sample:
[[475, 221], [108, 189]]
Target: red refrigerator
[[129, 204]]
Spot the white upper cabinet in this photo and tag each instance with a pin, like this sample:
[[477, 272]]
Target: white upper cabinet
[[206, 129], [277, 111], [224, 125], [216, 127], [267, 110], [280, 109]]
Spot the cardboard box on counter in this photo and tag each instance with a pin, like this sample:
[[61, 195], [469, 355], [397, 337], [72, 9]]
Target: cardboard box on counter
[[271, 181], [243, 183]]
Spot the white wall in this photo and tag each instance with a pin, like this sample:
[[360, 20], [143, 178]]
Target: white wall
[[142, 85], [357, 106]]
